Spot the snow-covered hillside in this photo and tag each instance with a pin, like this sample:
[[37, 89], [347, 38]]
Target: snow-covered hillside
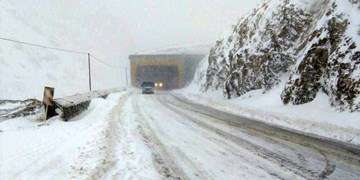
[[190, 49], [25, 70], [307, 47]]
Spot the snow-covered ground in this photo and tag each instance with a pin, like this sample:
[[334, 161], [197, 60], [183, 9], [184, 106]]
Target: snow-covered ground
[[317, 117], [196, 152], [87, 147], [134, 136]]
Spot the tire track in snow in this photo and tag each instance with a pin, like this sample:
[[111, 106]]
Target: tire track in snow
[[103, 148], [341, 150], [339, 161], [164, 161], [202, 162], [111, 140], [261, 151], [135, 157]]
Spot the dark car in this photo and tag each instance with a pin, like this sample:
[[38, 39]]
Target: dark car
[[148, 87]]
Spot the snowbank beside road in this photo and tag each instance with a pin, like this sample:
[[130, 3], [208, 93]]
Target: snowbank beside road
[[58, 150], [317, 117]]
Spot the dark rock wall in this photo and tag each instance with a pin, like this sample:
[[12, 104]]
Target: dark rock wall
[[330, 65], [310, 45], [256, 54]]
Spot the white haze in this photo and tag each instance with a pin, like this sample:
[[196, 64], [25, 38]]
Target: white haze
[[113, 29], [109, 29]]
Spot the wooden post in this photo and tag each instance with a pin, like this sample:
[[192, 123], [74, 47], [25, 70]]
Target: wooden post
[[48, 102], [89, 63]]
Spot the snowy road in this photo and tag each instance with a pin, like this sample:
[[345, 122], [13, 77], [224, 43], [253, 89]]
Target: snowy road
[[135, 136], [200, 143]]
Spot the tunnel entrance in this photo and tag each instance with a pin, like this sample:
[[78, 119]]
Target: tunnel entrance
[[168, 76], [172, 71]]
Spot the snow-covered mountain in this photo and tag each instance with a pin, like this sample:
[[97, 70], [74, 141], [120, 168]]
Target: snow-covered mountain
[[25, 70], [307, 45]]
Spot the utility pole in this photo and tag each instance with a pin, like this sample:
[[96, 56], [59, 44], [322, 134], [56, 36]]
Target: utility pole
[[89, 63], [126, 75]]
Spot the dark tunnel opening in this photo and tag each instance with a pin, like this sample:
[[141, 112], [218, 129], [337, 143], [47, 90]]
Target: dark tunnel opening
[[168, 76]]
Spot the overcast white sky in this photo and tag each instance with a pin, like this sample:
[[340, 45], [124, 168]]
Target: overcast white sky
[[171, 22], [162, 23], [117, 28]]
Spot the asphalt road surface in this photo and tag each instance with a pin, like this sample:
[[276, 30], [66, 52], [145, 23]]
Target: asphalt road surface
[[191, 141]]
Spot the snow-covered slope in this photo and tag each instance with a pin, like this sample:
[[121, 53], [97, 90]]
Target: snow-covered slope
[[25, 70], [191, 49], [315, 43]]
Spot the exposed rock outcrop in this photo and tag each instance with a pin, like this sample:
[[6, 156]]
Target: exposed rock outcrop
[[329, 65], [255, 55], [315, 43]]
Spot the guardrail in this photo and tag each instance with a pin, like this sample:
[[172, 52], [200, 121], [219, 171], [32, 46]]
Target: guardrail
[[71, 106]]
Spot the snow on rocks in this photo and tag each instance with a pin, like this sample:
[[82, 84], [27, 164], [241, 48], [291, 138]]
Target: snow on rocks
[[257, 52], [13, 108], [315, 43], [331, 62], [324, 73]]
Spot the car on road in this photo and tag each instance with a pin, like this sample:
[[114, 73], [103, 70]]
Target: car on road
[[148, 87]]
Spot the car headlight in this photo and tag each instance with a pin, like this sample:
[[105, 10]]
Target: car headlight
[[161, 84], [156, 84]]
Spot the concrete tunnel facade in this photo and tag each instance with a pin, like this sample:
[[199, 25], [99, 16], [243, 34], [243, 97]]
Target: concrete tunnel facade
[[174, 71]]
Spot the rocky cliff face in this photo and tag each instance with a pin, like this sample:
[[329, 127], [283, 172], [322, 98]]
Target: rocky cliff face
[[314, 43]]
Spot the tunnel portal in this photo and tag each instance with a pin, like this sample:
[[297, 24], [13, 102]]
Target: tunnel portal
[[168, 76], [171, 71]]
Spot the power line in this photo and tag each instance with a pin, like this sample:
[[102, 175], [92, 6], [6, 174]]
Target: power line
[[58, 49], [103, 62], [67, 51], [42, 46]]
